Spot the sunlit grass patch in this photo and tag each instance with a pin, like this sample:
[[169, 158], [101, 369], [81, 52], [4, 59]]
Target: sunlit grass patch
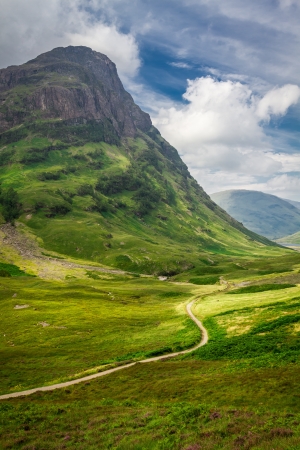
[[72, 326], [261, 288]]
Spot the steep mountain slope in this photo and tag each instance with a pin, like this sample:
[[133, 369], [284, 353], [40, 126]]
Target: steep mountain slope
[[95, 179], [262, 213]]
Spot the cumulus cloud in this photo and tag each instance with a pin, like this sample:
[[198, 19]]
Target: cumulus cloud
[[277, 101], [120, 48], [220, 135], [283, 185], [33, 27]]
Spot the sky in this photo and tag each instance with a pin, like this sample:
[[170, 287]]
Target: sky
[[220, 79]]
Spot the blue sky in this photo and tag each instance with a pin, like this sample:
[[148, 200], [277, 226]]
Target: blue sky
[[219, 78]]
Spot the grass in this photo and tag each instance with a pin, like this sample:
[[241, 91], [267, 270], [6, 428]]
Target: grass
[[171, 405], [13, 270], [71, 326], [239, 391], [65, 212], [261, 288]]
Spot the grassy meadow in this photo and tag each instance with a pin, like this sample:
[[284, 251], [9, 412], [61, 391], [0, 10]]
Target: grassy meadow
[[241, 390], [61, 329]]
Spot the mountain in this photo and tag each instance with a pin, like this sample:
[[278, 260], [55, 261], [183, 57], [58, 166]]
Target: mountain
[[293, 202], [262, 213], [73, 84], [290, 239], [88, 176]]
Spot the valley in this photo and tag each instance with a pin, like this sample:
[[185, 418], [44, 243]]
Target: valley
[[166, 323], [86, 321]]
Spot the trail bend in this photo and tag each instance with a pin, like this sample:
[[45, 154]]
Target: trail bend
[[203, 341]]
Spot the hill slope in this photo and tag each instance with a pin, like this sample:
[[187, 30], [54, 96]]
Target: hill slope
[[293, 202], [262, 213], [290, 239], [95, 179]]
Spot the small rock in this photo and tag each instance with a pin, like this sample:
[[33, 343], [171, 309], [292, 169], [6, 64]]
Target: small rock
[[21, 306], [44, 324]]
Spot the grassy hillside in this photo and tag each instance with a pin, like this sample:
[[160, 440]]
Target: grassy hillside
[[88, 176], [262, 213], [132, 206]]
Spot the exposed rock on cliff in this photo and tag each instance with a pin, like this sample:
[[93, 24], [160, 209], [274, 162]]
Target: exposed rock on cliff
[[73, 84]]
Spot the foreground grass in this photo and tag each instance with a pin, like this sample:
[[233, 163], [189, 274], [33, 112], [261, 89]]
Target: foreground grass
[[171, 405], [54, 331], [240, 391]]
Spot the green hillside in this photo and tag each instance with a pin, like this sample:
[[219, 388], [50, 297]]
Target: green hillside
[[291, 239], [94, 180], [262, 213]]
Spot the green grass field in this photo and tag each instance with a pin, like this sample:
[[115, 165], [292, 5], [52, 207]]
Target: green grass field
[[69, 327], [241, 390]]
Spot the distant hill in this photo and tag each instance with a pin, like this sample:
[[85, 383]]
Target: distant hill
[[290, 239], [292, 202], [262, 213]]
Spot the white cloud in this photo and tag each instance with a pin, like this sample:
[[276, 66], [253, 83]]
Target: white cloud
[[289, 162], [181, 65], [220, 135], [121, 49], [288, 3], [277, 101], [33, 27], [220, 127], [283, 185]]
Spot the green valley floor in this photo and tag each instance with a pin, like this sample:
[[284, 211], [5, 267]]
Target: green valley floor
[[239, 391]]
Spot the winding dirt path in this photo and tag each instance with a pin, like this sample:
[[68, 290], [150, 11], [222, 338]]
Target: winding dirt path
[[204, 339]]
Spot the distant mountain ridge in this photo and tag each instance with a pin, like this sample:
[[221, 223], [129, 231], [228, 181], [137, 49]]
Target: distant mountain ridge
[[292, 202], [262, 213]]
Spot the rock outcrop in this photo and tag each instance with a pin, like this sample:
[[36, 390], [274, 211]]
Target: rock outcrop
[[74, 84]]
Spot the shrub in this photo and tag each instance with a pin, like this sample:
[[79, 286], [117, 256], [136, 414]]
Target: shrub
[[12, 270], [45, 176], [146, 198], [6, 156], [85, 189], [11, 206], [4, 273], [35, 155], [204, 280]]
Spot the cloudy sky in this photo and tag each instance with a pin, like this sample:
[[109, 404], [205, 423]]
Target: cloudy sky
[[220, 79]]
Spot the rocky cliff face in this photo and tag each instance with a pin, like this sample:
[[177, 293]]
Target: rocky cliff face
[[73, 84]]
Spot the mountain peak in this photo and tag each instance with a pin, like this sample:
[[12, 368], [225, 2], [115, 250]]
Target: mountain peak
[[74, 84]]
